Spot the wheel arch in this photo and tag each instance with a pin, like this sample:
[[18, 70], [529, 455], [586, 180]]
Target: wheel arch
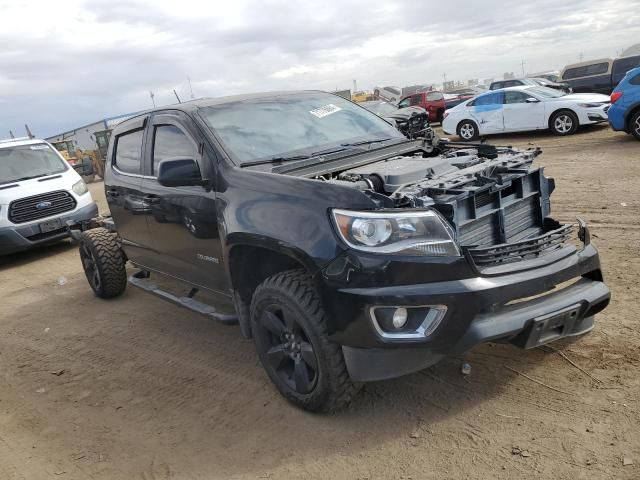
[[251, 261], [562, 109], [631, 111]]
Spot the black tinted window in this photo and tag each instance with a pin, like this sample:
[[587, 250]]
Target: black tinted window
[[171, 142], [129, 151], [497, 85], [596, 69], [515, 97], [512, 83], [623, 65]]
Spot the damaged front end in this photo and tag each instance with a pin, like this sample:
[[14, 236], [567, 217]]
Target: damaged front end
[[494, 199]]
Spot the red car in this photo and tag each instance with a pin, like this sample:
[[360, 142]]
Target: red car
[[432, 102]]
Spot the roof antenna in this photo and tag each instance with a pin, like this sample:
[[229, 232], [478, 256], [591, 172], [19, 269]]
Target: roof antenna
[[11, 133], [176, 94], [29, 134]]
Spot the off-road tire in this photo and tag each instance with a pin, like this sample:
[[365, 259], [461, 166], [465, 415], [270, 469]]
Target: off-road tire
[[101, 250], [558, 129], [469, 125], [634, 125], [293, 291]]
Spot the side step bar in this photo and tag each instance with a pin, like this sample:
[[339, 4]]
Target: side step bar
[[142, 281]]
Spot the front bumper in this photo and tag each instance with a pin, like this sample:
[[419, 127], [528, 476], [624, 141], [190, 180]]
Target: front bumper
[[479, 309], [22, 237], [594, 115]]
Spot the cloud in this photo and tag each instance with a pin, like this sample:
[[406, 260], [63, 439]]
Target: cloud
[[65, 67]]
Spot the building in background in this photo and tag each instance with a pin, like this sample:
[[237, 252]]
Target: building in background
[[83, 137]]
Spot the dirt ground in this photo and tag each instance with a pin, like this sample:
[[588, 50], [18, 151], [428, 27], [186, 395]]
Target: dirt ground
[[135, 388]]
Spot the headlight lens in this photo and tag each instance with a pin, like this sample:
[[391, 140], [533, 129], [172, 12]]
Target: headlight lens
[[80, 188], [590, 105], [405, 233]]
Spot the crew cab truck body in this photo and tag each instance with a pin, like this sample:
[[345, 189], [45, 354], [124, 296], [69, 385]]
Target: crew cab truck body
[[350, 252], [41, 195], [598, 76], [433, 102]]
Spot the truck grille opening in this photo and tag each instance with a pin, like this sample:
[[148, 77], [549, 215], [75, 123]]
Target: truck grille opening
[[522, 250], [40, 206]]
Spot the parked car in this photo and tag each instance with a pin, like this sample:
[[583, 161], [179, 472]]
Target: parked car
[[451, 100], [624, 114], [516, 82], [40, 195], [433, 102], [517, 109], [552, 75], [411, 121], [351, 253], [390, 94], [598, 76]]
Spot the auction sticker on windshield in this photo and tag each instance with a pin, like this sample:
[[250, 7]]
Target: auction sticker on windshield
[[324, 111]]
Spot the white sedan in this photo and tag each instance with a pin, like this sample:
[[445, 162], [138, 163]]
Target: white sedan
[[518, 109]]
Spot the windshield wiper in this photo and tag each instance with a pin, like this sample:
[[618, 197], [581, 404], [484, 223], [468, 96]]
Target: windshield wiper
[[30, 177], [276, 160], [366, 142]]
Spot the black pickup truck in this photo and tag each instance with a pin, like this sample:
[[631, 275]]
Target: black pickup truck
[[349, 252]]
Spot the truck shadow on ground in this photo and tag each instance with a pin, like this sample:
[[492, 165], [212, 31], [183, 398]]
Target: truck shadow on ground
[[36, 254], [165, 381]]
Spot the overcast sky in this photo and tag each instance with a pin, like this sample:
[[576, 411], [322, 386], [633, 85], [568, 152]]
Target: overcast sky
[[67, 63]]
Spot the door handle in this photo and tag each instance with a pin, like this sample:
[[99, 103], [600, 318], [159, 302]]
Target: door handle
[[151, 199]]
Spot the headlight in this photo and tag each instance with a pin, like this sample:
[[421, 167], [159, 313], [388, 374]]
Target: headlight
[[405, 233], [590, 105], [80, 188]]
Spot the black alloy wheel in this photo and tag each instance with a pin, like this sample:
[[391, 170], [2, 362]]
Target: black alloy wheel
[[288, 349]]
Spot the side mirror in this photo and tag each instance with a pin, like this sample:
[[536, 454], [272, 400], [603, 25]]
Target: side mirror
[[182, 172], [532, 100]]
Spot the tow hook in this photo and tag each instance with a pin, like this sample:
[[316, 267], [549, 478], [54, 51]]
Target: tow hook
[[583, 232]]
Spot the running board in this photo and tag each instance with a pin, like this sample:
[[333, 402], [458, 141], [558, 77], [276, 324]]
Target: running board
[[138, 280]]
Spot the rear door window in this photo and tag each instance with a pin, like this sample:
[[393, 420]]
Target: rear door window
[[169, 142], [128, 153], [489, 99]]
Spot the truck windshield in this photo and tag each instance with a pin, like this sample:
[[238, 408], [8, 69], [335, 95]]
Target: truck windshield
[[279, 126], [29, 161]]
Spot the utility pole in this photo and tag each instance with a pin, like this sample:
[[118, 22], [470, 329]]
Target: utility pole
[[176, 94], [355, 86], [152, 99], [522, 64], [581, 56], [190, 88], [444, 81]]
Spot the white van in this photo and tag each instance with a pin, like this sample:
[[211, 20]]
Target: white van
[[40, 195]]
